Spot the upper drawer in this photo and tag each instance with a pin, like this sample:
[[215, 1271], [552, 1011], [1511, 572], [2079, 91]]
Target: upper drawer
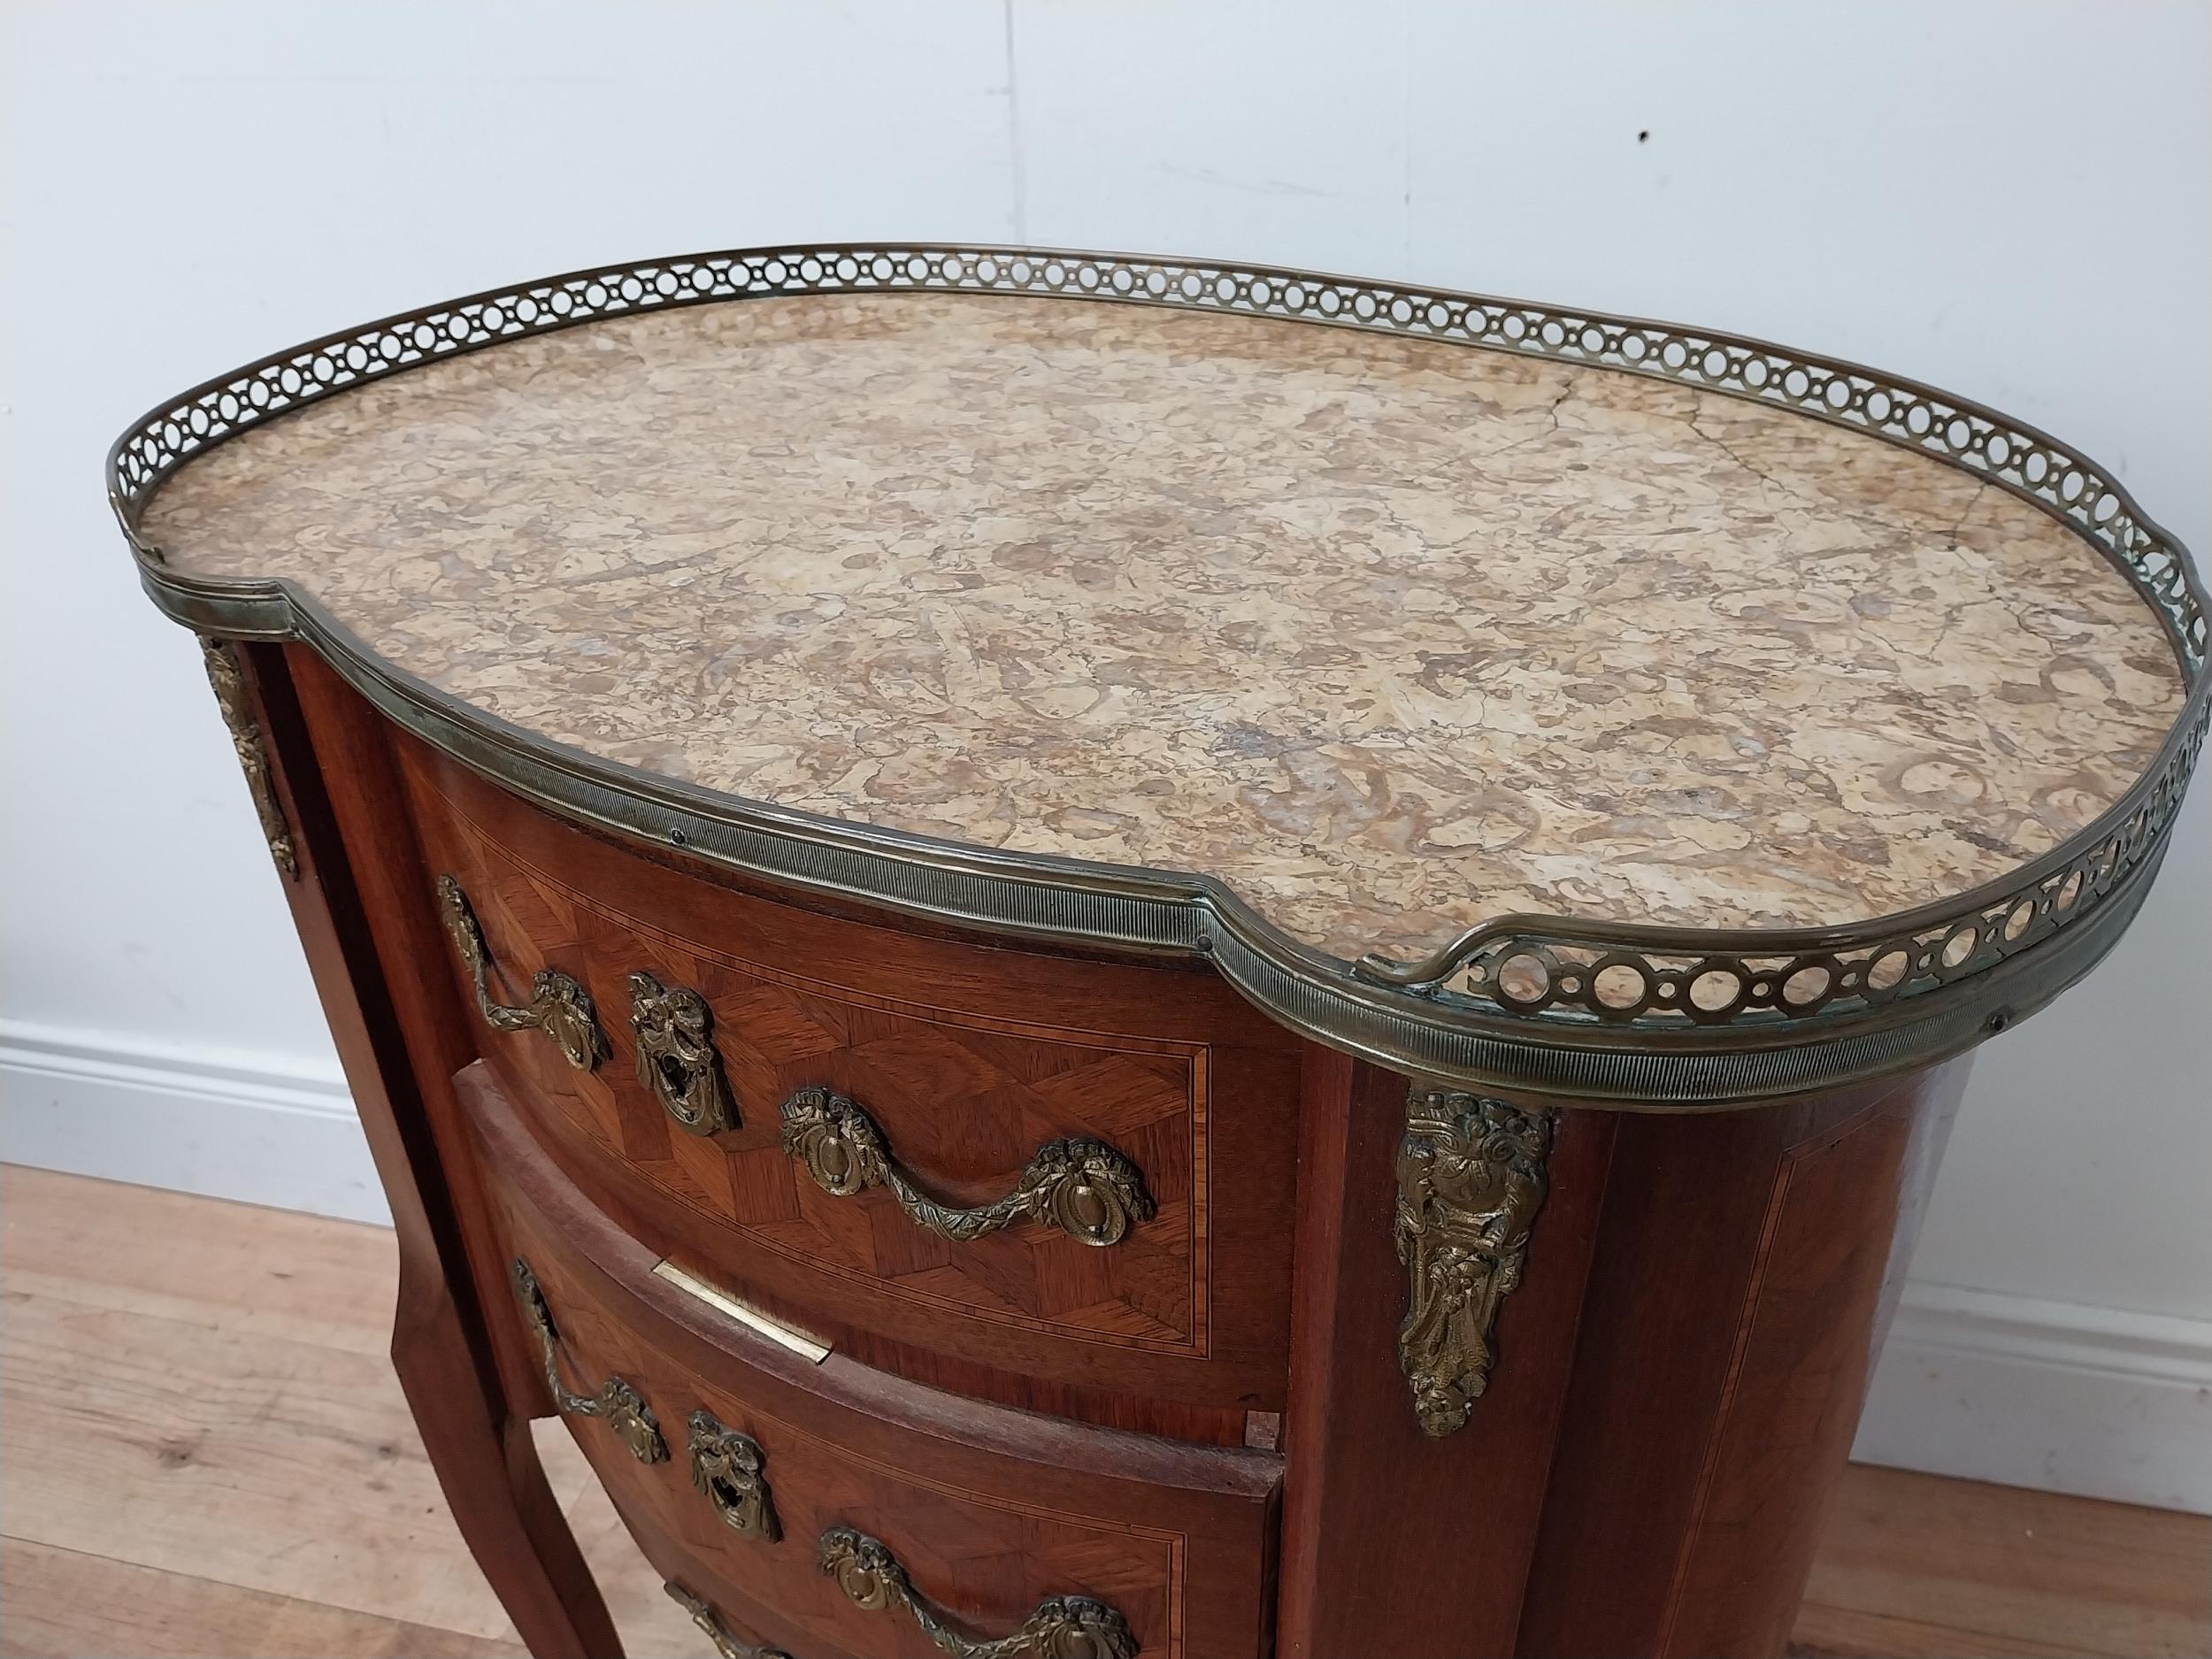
[[1045, 1178], [752, 1477]]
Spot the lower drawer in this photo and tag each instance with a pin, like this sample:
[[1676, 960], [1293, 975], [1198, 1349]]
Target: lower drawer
[[826, 1508]]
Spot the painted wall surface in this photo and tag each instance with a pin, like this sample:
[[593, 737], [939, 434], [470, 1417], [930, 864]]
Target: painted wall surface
[[2012, 200]]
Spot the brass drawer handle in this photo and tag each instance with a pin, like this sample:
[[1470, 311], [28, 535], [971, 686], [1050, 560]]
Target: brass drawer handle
[[620, 1406], [1061, 1627], [559, 1006], [725, 1644], [1082, 1187], [725, 1467], [675, 1055]]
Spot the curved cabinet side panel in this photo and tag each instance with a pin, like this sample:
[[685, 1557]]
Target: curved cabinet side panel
[[1743, 1275]]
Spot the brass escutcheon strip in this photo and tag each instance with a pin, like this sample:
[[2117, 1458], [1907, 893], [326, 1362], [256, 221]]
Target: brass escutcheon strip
[[559, 1006], [1061, 1626], [725, 1645], [752, 1318], [615, 1404], [1471, 1176], [1084, 1187]]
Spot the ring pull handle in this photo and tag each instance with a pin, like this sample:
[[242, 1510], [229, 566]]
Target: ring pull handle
[[559, 1006], [618, 1405], [676, 1059], [1061, 1626], [725, 1645], [725, 1467], [1082, 1187]]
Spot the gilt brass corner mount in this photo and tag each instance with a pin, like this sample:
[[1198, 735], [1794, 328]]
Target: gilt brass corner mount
[[223, 673], [1471, 1176]]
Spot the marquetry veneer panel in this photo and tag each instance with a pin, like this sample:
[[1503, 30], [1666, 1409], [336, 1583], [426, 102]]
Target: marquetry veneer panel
[[969, 1058], [990, 1511]]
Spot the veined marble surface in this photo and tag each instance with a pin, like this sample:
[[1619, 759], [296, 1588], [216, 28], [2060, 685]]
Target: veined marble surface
[[1392, 636]]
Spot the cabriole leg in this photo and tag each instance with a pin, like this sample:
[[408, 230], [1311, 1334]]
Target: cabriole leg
[[373, 946]]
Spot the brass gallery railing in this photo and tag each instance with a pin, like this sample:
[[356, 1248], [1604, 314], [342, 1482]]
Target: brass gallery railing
[[1553, 979]]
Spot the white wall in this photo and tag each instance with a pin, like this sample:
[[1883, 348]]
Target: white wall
[[2010, 199]]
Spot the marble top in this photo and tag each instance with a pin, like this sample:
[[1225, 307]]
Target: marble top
[[1392, 636]]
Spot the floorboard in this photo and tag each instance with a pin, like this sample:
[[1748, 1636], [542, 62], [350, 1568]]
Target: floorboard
[[59, 1604], [1916, 1564], [204, 1451]]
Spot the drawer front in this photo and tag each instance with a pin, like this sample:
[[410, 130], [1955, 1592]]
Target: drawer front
[[827, 1509], [1068, 1172]]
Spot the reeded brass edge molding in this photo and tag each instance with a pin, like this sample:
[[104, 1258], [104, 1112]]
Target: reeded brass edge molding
[[1043, 899], [229, 682], [1471, 1176]]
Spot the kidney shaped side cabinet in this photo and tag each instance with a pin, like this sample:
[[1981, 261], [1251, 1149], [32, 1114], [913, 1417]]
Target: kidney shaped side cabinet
[[1098, 957]]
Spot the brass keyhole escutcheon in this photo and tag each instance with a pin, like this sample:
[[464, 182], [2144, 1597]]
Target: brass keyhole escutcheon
[[676, 1060], [727, 1469]]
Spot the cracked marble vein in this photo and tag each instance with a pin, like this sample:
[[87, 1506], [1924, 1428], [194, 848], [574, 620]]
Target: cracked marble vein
[[1391, 635]]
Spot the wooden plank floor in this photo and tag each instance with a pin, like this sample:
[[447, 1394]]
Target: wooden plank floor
[[202, 1451]]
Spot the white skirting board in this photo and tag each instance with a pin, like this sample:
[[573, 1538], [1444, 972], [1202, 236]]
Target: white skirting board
[[2099, 1402], [1989, 1386], [265, 1129]]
